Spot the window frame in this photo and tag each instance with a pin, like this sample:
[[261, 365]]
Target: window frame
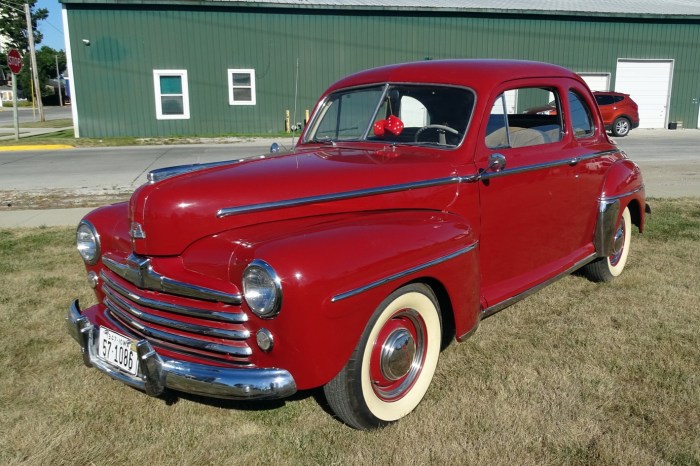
[[182, 74], [231, 86]]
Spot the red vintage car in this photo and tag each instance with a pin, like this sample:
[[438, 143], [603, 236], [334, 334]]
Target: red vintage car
[[418, 202]]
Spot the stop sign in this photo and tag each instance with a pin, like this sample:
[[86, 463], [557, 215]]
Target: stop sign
[[14, 61]]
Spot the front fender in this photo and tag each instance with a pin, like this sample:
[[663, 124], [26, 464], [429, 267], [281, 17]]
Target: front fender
[[336, 270]]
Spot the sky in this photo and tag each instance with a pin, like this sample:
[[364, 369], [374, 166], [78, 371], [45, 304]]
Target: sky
[[52, 27]]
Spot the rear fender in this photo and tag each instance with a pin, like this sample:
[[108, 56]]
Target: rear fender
[[334, 274], [623, 187]]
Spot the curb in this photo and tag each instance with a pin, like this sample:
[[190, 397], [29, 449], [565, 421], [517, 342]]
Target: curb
[[35, 147]]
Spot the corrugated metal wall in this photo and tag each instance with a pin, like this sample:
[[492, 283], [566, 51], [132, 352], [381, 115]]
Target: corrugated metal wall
[[114, 74]]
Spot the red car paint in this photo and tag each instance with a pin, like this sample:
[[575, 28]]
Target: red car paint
[[344, 223]]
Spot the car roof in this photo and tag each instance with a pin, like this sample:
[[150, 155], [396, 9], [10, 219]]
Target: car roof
[[469, 73]]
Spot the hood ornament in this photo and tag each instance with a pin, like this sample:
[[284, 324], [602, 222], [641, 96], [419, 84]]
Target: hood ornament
[[136, 231]]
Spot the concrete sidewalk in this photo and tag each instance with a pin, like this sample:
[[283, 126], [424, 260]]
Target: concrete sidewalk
[[8, 134]]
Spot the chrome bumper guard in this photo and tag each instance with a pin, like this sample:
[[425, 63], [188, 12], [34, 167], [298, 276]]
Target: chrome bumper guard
[[155, 373]]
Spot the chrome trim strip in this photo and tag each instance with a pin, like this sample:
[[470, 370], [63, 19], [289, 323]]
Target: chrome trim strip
[[176, 324], [235, 351], [620, 196], [396, 276], [231, 318], [157, 374], [139, 272], [225, 212], [543, 166], [488, 312]]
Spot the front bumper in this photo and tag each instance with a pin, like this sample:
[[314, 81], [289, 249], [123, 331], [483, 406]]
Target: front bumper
[[155, 373]]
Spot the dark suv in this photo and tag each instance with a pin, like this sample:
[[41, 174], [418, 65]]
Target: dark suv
[[619, 112]]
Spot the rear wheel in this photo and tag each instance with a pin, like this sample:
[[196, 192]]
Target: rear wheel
[[605, 269], [621, 127], [393, 364]]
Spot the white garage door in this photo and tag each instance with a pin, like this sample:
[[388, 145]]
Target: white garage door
[[597, 81], [648, 82]]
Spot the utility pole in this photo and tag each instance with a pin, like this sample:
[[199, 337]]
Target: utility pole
[[32, 54], [58, 78]]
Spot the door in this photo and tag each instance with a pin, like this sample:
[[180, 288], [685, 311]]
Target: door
[[530, 229], [648, 82]]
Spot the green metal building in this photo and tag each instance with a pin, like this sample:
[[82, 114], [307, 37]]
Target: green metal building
[[211, 67]]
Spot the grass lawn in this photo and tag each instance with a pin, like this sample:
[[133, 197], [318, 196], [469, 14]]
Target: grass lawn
[[580, 373]]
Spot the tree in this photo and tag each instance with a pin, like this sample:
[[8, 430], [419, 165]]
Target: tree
[[46, 69], [13, 30], [13, 24]]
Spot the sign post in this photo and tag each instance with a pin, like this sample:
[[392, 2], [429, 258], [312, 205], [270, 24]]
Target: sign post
[[14, 61]]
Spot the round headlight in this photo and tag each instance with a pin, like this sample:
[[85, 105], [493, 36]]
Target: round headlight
[[88, 242], [262, 289]]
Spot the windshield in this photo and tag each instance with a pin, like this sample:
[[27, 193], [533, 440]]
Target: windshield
[[404, 114]]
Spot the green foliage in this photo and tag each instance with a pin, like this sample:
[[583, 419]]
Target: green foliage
[[46, 68], [13, 26]]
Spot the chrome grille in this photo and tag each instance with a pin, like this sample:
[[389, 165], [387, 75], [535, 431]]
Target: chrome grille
[[182, 324]]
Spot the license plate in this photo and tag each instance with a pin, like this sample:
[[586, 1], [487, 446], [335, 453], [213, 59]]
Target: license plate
[[118, 350]]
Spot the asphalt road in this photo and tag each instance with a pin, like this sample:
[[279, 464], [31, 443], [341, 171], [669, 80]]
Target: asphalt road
[[670, 162], [27, 115]]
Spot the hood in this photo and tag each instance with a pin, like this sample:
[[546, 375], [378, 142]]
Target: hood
[[168, 215]]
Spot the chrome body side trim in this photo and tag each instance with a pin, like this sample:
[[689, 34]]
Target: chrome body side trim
[[404, 273], [488, 312], [623, 195], [155, 373], [541, 166], [225, 212], [232, 318], [138, 271]]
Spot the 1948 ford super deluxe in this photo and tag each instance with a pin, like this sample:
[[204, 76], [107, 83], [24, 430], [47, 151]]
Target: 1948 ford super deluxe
[[420, 199]]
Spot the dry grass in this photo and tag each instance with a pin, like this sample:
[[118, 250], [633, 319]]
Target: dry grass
[[577, 374], [58, 198]]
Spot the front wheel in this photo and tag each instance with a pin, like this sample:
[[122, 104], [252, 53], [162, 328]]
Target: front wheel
[[605, 269], [393, 364]]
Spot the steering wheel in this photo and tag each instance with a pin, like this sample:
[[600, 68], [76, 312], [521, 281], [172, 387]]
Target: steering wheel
[[441, 132]]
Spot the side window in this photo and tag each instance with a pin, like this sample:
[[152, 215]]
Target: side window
[[539, 123], [581, 119], [172, 96], [241, 87], [604, 100]]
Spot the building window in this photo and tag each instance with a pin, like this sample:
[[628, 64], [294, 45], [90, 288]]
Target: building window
[[172, 96], [241, 87]]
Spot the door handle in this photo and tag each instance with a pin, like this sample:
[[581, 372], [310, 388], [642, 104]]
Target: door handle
[[497, 162]]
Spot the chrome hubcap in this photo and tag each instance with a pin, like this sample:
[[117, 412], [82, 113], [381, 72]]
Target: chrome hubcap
[[398, 352], [398, 355], [618, 245]]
